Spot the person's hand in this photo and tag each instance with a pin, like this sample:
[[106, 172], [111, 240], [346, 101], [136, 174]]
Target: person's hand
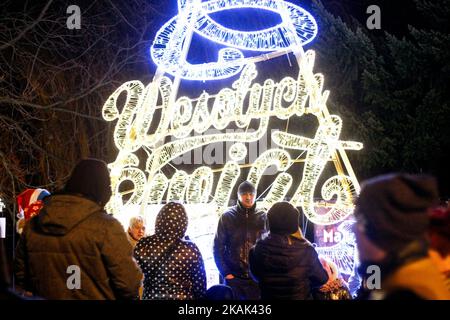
[[229, 276], [328, 269]]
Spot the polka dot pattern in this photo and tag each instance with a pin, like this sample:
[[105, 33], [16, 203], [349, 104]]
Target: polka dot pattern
[[179, 276]]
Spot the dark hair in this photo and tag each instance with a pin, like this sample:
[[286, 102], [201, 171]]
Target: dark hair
[[90, 178]]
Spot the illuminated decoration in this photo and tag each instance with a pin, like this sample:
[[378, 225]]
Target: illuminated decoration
[[172, 41], [154, 121], [238, 151], [281, 160], [265, 102], [342, 253]]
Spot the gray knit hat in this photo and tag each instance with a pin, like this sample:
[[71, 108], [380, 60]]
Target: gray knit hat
[[393, 209], [246, 187]]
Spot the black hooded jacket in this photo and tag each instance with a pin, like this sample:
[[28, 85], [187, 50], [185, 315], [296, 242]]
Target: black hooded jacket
[[237, 232], [173, 267], [286, 267]]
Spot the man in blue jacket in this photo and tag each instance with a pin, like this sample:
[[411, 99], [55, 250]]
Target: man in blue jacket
[[238, 229]]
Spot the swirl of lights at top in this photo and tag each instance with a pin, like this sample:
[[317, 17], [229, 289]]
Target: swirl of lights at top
[[298, 27]]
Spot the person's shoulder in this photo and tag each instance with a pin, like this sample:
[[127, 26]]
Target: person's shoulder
[[105, 219], [229, 212], [191, 246], [102, 215], [265, 243], [304, 244], [261, 214], [144, 242]]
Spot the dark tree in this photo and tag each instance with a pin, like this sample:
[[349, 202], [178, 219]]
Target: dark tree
[[392, 91]]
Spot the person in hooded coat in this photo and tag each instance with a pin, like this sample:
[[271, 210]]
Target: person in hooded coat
[[285, 264], [73, 249], [173, 267]]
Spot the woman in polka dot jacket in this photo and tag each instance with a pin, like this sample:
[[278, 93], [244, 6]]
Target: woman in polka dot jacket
[[173, 268]]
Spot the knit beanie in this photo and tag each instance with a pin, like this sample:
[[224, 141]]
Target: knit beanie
[[283, 218], [393, 209], [246, 187], [90, 177]]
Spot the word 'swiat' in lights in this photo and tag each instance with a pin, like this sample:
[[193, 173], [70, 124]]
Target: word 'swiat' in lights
[[155, 121]]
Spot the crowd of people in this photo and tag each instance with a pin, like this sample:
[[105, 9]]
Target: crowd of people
[[70, 248]]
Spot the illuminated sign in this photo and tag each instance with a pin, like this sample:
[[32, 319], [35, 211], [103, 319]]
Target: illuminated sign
[[154, 120]]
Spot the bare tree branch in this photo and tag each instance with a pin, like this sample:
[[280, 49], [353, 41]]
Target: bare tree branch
[[31, 26]]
